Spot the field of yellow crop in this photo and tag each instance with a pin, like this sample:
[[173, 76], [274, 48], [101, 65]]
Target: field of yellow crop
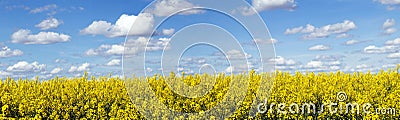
[[108, 98]]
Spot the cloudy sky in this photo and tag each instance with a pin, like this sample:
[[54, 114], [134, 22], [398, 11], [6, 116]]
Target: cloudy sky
[[51, 38]]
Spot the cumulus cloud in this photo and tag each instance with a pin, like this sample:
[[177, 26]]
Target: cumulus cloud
[[193, 61], [343, 35], [295, 30], [260, 5], [60, 61], [393, 42], [131, 47], [362, 66], [114, 62], [319, 48], [312, 32], [388, 27], [4, 74], [168, 7], [372, 49], [168, 32], [24, 66], [229, 69], [13, 7], [321, 66], [270, 41], [389, 23], [389, 31], [25, 36], [283, 64], [117, 49], [81, 68], [56, 70], [7, 52], [394, 56], [279, 60], [389, 2], [49, 23], [135, 25], [44, 8], [236, 54], [314, 64], [328, 58], [352, 42]]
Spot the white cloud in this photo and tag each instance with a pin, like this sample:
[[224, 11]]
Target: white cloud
[[394, 56], [149, 70], [352, 42], [135, 25], [7, 52], [279, 60], [343, 35], [168, 7], [372, 49], [389, 23], [308, 29], [168, 32], [393, 42], [59, 61], [314, 64], [236, 54], [388, 27], [319, 48], [44, 8], [389, 31], [24, 66], [283, 64], [83, 67], [328, 58], [98, 28], [94, 52], [4, 74], [114, 62], [320, 66], [311, 32], [270, 41], [229, 69], [362, 66], [294, 30], [194, 61], [26, 37], [115, 50], [56, 70], [273, 41], [260, 5], [131, 47], [389, 2], [49, 23], [13, 7]]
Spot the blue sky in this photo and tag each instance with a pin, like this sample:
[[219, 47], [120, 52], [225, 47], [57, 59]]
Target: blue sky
[[50, 38]]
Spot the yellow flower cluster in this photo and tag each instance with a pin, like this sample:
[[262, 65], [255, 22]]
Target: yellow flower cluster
[[109, 98], [66, 98]]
